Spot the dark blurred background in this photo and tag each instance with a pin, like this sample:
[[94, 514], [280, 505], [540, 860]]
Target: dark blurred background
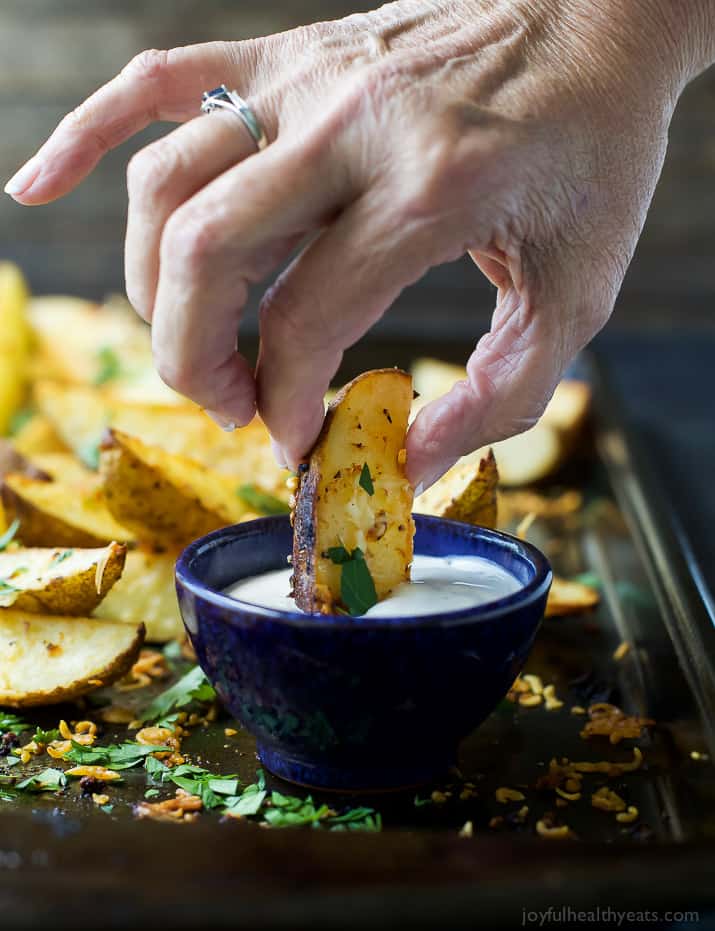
[[53, 54]]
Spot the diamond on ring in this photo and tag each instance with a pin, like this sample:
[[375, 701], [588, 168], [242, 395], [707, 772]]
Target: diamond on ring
[[220, 98]]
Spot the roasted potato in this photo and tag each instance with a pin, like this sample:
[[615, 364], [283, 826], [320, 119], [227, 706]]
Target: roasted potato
[[59, 514], [14, 342], [49, 659], [166, 500], [355, 494], [467, 492], [38, 436], [570, 597], [146, 592], [56, 581]]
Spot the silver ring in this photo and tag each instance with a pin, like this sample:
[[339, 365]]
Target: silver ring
[[220, 98]]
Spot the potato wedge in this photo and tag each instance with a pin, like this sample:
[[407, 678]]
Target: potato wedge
[[59, 514], [146, 592], [467, 492], [166, 500], [569, 597], [38, 436], [64, 467], [49, 659], [80, 415], [13, 461], [14, 342], [364, 432], [529, 457], [56, 581]]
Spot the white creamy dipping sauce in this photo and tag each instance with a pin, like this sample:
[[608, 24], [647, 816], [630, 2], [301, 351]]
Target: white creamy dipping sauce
[[437, 584]]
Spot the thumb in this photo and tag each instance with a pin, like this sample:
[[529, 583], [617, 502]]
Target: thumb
[[511, 376]]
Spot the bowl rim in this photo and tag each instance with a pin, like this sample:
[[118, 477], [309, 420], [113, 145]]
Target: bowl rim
[[526, 595]]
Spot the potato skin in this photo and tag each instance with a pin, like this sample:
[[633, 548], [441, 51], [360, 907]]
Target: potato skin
[[467, 492], [365, 425]]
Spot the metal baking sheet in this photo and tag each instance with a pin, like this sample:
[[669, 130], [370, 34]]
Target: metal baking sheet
[[116, 871]]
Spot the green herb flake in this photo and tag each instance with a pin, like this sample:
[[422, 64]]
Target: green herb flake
[[338, 554], [366, 480], [46, 737], [60, 557], [194, 686], [116, 756], [6, 588], [151, 793], [261, 501], [49, 780], [11, 722], [89, 454], [19, 420], [109, 366], [357, 589], [9, 534]]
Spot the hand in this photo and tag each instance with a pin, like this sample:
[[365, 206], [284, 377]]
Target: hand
[[529, 134]]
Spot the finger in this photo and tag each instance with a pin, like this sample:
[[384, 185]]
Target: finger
[[230, 234], [163, 176], [155, 85], [510, 377], [323, 303]]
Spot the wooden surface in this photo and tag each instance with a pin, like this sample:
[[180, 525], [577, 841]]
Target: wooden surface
[[53, 54]]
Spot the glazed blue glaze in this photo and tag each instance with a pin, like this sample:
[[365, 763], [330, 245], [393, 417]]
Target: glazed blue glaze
[[357, 702]]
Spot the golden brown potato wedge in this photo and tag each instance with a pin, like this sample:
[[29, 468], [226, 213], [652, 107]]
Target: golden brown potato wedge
[[81, 414], [569, 597], [59, 514], [166, 500], [57, 581], [467, 492], [13, 461], [38, 436], [14, 342], [64, 467], [146, 592], [49, 659], [361, 447]]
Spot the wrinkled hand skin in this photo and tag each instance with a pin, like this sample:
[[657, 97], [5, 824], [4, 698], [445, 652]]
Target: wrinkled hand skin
[[529, 134]]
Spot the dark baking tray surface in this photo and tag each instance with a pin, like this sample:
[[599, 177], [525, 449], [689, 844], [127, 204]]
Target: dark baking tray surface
[[65, 864]]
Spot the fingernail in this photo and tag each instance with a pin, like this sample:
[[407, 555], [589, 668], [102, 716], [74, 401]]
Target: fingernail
[[22, 180], [228, 425], [433, 476], [419, 488], [279, 454]]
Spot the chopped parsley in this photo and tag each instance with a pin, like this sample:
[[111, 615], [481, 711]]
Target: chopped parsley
[[46, 737], [49, 780], [6, 588], [109, 366], [357, 589], [261, 501], [11, 722], [116, 756], [366, 480], [60, 557], [9, 535], [89, 454], [20, 419], [194, 686]]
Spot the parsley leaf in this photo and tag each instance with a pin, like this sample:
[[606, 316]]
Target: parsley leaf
[[6, 588], [366, 480], [109, 366], [194, 686], [19, 419], [60, 557], [49, 780], [89, 454], [115, 756], [151, 793], [261, 501], [338, 554], [9, 534], [357, 589], [11, 722], [46, 737]]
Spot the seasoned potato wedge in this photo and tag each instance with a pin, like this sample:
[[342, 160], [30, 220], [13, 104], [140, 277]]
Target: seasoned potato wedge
[[467, 492], [166, 500], [530, 456], [13, 461], [81, 414], [570, 597], [56, 581], [64, 467], [49, 659], [14, 342], [59, 514], [146, 592], [362, 443], [38, 436]]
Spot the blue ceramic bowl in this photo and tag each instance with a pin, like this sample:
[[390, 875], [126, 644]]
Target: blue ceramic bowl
[[357, 703]]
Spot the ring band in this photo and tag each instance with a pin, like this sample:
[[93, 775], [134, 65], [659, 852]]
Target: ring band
[[220, 98]]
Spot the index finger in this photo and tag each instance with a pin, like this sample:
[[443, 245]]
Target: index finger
[[155, 85]]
